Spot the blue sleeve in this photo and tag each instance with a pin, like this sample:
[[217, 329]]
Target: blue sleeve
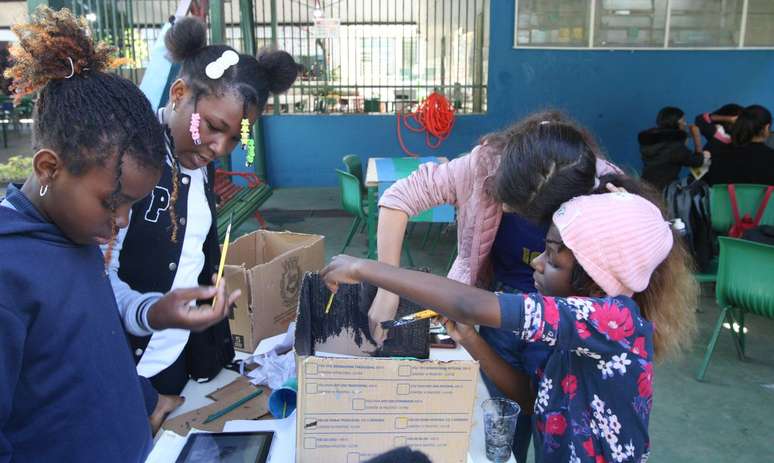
[[511, 311], [149, 394], [13, 333], [595, 327]]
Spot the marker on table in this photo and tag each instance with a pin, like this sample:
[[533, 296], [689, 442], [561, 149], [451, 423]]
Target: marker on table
[[233, 406]]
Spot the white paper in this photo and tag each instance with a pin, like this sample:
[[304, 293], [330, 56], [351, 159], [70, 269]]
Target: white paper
[[273, 370], [283, 446], [275, 359], [278, 344]]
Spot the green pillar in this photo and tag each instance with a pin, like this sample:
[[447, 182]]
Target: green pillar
[[32, 5], [217, 22], [218, 35], [274, 46], [247, 24]]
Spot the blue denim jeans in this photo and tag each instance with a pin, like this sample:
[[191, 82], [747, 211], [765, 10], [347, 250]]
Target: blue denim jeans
[[525, 357]]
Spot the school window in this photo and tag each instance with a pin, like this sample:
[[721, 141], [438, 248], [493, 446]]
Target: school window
[[645, 24]]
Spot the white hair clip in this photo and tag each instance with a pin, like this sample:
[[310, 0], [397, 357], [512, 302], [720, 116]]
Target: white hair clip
[[544, 122], [217, 68]]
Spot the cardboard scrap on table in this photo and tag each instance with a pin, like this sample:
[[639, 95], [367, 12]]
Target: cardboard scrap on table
[[223, 397]]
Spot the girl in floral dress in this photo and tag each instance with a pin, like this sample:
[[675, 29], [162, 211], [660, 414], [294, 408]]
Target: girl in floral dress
[[614, 294]]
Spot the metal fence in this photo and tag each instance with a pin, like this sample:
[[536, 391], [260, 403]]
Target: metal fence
[[373, 55], [130, 25], [381, 56]]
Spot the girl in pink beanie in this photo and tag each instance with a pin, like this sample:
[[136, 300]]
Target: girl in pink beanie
[[615, 293]]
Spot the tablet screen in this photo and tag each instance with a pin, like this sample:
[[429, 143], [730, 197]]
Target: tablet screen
[[228, 447]]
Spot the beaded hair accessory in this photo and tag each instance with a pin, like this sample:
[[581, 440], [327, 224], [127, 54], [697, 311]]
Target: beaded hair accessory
[[194, 129], [248, 144]]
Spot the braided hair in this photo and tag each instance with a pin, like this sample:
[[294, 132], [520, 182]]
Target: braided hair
[[546, 159], [252, 79], [84, 113]]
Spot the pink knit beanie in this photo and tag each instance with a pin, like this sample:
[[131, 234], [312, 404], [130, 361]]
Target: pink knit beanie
[[618, 238]]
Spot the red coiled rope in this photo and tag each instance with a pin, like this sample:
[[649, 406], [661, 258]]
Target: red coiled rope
[[435, 116]]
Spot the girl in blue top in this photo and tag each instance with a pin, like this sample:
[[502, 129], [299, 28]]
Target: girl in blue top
[[66, 372], [614, 293]]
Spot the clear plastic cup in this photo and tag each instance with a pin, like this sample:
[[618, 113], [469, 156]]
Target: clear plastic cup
[[500, 416]]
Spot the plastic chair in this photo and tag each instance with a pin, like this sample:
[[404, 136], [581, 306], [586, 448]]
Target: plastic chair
[[748, 198], [745, 284], [353, 166], [352, 202]]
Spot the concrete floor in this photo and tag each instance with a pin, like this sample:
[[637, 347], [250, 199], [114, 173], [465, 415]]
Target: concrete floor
[[19, 143], [727, 418]]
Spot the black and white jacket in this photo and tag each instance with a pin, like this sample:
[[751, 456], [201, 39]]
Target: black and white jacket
[[145, 263]]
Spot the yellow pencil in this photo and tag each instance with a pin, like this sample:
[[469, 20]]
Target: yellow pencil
[[223, 258], [330, 302]]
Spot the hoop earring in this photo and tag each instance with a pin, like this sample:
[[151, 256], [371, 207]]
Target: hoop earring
[[43, 190], [72, 68]]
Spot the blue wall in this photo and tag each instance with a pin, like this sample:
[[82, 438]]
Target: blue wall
[[615, 93]]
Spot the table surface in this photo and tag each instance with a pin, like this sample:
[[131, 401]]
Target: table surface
[[195, 397], [373, 178]]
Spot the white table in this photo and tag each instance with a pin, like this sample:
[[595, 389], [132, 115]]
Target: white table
[[196, 396]]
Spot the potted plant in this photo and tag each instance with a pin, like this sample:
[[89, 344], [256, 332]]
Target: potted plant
[[16, 170]]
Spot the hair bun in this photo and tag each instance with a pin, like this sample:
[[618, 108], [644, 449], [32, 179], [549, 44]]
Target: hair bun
[[186, 38], [280, 68], [55, 45]]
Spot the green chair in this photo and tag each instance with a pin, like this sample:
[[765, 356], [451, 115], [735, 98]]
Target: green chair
[[745, 284], [748, 198], [352, 202], [353, 166]]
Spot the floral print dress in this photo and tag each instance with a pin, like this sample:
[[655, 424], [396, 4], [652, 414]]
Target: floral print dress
[[596, 390]]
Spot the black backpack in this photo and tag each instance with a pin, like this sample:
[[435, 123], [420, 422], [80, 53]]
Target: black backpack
[[761, 234], [688, 200]]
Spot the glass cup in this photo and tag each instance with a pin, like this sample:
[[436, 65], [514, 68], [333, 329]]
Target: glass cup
[[500, 416]]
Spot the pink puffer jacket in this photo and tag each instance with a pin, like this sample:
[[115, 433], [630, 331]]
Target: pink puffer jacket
[[464, 183]]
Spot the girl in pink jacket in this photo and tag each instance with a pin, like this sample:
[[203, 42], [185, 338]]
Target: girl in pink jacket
[[497, 191]]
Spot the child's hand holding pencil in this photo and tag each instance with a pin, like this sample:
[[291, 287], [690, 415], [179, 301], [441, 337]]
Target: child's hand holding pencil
[[174, 310]]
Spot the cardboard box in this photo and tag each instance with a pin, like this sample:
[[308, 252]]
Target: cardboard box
[[268, 268], [353, 408]]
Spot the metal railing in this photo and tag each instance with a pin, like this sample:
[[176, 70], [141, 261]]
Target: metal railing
[[130, 25], [356, 56], [375, 56]]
